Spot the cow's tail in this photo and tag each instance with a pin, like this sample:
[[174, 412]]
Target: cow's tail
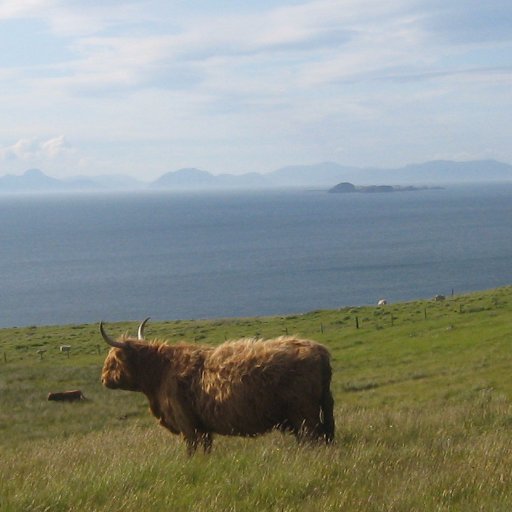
[[327, 402]]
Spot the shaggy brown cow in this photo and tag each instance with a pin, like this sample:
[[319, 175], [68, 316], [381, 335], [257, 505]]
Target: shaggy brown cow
[[66, 396], [244, 388]]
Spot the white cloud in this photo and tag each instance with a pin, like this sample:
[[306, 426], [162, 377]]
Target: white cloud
[[18, 8], [18, 150], [52, 148], [132, 58], [74, 17], [33, 149]]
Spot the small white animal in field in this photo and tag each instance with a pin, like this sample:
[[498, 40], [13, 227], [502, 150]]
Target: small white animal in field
[[65, 349]]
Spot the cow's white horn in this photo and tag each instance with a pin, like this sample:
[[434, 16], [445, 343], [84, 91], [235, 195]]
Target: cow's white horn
[[140, 333], [112, 342]]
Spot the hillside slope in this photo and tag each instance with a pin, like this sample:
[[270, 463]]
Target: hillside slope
[[422, 402]]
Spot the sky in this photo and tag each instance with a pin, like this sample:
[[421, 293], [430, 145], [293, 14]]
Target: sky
[[92, 87]]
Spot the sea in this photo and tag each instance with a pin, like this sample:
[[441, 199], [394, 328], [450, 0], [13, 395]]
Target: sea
[[83, 258]]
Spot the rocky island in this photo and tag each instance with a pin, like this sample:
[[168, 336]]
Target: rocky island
[[349, 188]]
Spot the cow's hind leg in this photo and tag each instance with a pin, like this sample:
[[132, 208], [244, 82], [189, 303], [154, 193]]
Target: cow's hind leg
[[328, 417]]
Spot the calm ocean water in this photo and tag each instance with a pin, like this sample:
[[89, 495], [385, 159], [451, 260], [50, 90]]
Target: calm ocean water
[[83, 258]]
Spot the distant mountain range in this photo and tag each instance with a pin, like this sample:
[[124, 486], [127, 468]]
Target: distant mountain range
[[34, 180], [316, 176]]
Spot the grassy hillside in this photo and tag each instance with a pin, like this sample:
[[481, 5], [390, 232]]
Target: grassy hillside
[[423, 409]]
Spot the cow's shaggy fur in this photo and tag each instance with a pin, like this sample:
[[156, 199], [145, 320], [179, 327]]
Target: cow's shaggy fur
[[245, 387]]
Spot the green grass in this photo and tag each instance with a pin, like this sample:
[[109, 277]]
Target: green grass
[[423, 409]]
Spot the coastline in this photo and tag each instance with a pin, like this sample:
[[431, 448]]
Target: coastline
[[439, 298]]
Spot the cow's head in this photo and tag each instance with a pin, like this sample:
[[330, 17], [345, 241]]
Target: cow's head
[[120, 367]]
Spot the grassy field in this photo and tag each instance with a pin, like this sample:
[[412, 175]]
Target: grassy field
[[423, 409]]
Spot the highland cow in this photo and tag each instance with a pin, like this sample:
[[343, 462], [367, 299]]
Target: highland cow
[[240, 388]]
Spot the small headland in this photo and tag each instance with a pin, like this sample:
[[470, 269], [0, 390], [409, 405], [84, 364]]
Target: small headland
[[349, 188]]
